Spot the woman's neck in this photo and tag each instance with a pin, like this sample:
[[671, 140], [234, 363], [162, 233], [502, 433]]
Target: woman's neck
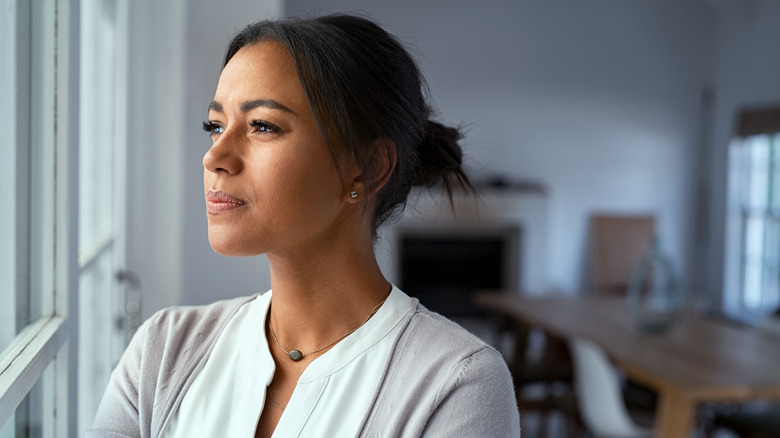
[[320, 297]]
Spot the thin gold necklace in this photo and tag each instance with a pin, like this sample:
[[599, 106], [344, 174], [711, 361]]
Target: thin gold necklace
[[296, 355], [273, 399]]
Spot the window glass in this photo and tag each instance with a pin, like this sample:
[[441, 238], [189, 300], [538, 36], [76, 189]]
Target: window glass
[[757, 174], [13, 174], [38, 264], [27, 90], [28, 193]]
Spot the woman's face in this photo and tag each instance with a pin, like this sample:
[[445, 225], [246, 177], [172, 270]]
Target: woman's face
[[270, 182]]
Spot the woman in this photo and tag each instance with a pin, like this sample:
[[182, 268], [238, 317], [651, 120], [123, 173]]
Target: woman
[[319, 129]]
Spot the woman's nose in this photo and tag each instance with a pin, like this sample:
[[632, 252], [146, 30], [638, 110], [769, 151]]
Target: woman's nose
[[223, 156]]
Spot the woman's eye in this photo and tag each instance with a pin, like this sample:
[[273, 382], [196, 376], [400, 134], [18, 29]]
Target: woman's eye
[[212, 128], [262, 126]]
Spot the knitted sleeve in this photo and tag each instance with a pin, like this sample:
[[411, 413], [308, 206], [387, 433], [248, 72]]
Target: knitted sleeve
[[120, 410], [159, 364], [478, 400], [443, 381]]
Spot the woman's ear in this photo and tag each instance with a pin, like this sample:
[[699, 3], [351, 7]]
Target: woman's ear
[[377, 171]]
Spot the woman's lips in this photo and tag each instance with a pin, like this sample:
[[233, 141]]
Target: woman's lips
[[221, 202]]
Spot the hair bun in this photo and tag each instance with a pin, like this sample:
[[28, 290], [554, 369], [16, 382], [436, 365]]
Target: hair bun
[[440, 157]]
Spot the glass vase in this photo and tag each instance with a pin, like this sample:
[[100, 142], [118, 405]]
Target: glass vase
[[654, 296]]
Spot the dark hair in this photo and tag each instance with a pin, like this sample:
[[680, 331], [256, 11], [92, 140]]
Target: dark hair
[[362, 85]]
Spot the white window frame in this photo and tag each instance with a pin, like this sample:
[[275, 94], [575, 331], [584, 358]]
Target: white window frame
[[51, 340], [745, 295]]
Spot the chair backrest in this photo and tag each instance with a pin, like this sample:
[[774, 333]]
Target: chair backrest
[[617, 244], [599, 394]]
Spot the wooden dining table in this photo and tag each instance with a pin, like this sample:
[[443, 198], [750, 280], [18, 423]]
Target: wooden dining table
[[699, 360]]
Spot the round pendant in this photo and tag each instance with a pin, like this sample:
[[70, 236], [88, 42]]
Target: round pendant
[[296, 355]]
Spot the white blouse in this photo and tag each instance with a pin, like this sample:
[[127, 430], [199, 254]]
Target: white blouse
[[331, 398]]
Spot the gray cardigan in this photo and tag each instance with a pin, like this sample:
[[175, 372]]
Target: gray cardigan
[[440, 381]]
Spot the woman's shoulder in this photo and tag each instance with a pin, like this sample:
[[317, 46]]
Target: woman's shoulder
[[443, 381], [184, 332], [158, 365], [428, 328], [177, 318], [434, 348]]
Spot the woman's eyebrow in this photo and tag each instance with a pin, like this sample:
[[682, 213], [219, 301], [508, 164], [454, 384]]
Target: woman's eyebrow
[[252, 104], [268, 103]]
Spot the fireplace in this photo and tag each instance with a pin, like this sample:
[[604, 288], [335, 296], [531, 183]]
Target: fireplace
[[444, 266]]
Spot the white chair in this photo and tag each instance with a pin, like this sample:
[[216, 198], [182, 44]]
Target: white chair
[[599, 395]]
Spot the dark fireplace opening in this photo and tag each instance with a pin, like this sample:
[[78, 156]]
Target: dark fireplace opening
[[443, 268]]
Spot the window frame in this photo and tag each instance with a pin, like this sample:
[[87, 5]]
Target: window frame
[[51, 339], [750, 123]]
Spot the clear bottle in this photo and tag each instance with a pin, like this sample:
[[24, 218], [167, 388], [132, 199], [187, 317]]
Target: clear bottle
[[654, 296]]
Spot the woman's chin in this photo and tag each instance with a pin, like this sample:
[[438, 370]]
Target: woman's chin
[[231, 247]]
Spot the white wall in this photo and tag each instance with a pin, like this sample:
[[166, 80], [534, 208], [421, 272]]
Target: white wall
[[597, 99], [154, 147]]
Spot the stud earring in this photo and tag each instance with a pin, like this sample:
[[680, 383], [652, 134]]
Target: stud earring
[[353, 195]]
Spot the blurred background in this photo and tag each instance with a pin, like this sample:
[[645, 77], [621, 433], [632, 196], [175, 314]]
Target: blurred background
[[571, 110], [621, 107]]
